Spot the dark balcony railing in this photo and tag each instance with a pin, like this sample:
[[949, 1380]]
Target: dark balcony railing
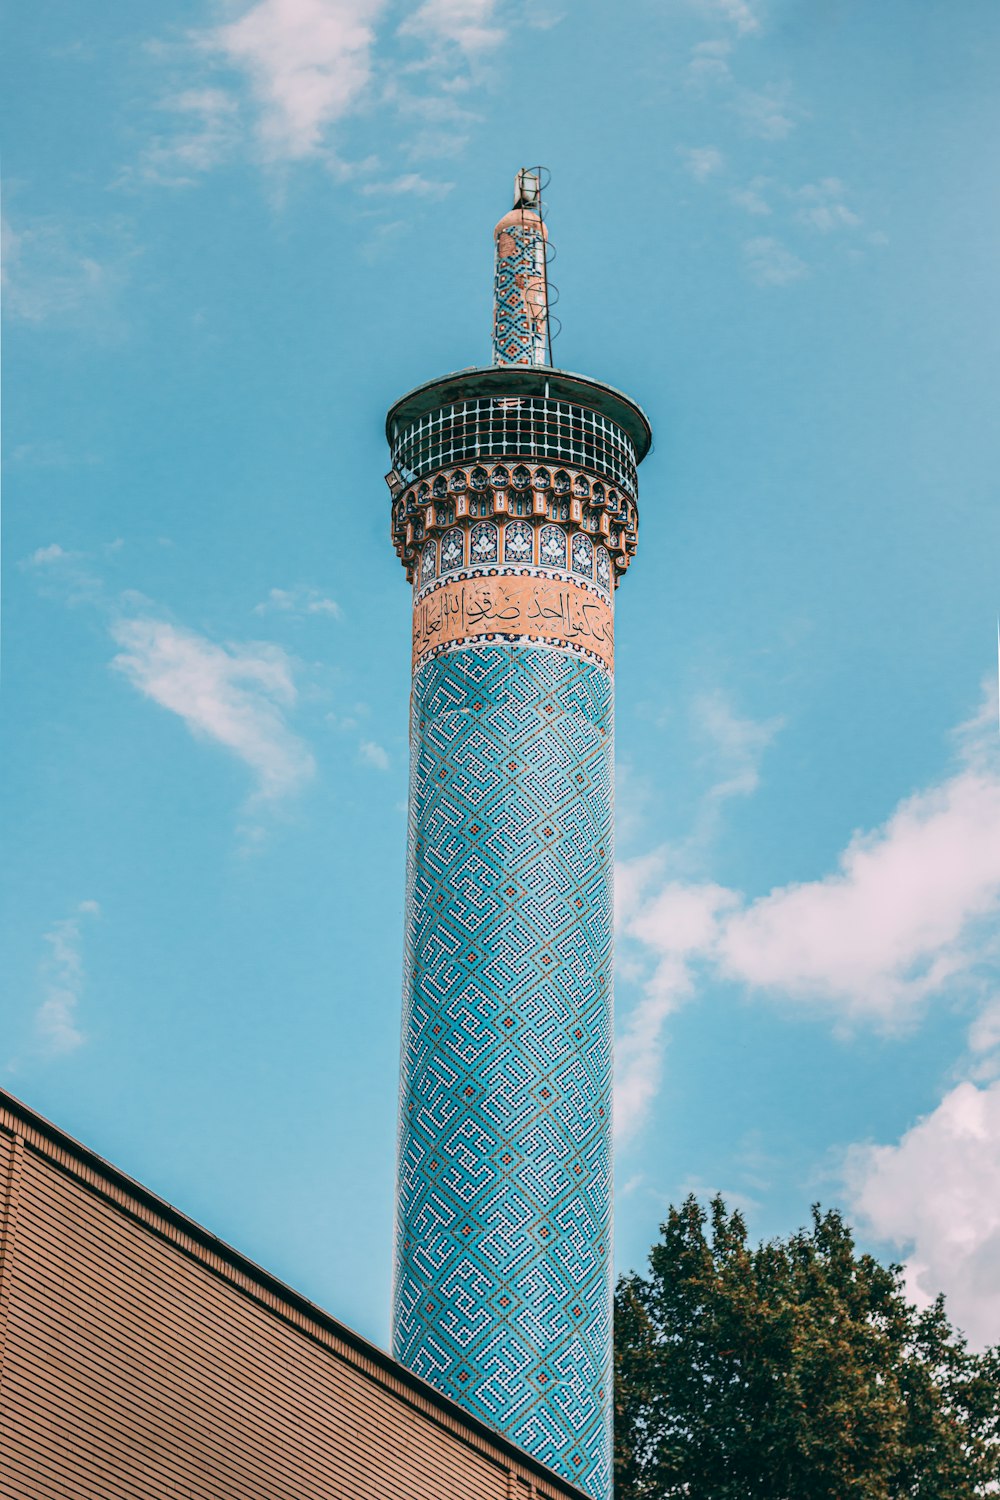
[[524, 427]]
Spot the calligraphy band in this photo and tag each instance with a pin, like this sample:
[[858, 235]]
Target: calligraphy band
[[525, 607]]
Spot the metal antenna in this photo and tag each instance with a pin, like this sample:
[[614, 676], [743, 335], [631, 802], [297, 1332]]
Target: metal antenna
[[542, 177]]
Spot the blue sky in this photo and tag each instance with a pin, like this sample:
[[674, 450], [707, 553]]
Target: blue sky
[[234, 233]]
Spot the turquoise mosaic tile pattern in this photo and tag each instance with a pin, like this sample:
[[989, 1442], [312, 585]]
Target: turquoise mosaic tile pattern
[[520, 293], [503, 1289]]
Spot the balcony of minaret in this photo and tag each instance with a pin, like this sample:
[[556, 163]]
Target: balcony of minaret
[[569, 497]]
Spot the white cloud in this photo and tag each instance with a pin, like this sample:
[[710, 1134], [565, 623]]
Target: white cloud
[[701, 161], [731, 750], [409, 183], [443, 123], [822, 206], [466, 25], [633, 877], [818, 205], [984, 1041], [672, 922], [708, 63], [56, 273], [909, 914], [307, 61], [236, 695], [283, 75], [770, 263], [301, 600], [766, 115], [240, 695], [452, 41], [62, 979], [675, 925], [372, 754], [50, 454], [739, 13], [209, 130], [936, 1197], [64, 574], [737, 744], [53, 553], [751, 198], [900, 918]]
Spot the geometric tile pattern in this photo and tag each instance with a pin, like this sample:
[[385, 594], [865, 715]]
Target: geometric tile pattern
[[479, 544], [552, 546], [503, 1253], [457, 502], [520, 297], [583, 555]]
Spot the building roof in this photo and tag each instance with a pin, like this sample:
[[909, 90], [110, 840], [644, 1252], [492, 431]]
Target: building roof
[[27, 1141]]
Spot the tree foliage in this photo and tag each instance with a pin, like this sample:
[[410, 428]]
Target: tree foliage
[[793, 1370]]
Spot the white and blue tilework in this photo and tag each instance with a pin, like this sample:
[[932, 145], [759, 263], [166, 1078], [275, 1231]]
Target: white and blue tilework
[[503, 1268]]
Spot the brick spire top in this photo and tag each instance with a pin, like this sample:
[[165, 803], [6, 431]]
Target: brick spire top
[[520, 287]]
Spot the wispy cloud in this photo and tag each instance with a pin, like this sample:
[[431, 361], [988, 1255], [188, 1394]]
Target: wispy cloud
[[302, 600], [61, 273], [205, 129], [731, 749], [236, 695], [307, 63], [822, 206], [409, 183], [283, 77], [900, 919], [667, 921], [42, 557], [767, 114], [355, 723], [469, 27], [437, 124], [56, 1025], [752, 198], [935, 1195], [380, 241], [771, 263], [50, 454], [739, 14], [770, 115], [65, 574], [675, 925], [736, 744], [908, 915], [709, 63], [372, 754], [450, 42], [701, 161], [239, 695], [984, 1041]]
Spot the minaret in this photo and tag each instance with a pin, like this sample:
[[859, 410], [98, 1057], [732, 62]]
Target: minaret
[[514, 513]]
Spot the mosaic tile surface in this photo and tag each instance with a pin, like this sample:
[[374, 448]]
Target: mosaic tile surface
[[503, 1290], [520, 297]]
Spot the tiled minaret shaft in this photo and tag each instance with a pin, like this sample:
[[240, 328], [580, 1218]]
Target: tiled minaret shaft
[[514, 514]]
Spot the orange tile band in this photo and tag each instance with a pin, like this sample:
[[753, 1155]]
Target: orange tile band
[[531, 607]]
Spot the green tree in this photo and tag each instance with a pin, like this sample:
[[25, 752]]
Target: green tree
[[793, 1370]]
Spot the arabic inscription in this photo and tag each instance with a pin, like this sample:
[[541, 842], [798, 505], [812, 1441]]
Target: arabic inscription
[[527, 606]]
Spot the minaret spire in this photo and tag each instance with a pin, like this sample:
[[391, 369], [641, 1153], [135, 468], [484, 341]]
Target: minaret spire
[[520, 285], [514, 513]]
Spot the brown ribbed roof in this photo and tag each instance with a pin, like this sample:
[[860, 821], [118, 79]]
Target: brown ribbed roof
[[120, 1316]]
